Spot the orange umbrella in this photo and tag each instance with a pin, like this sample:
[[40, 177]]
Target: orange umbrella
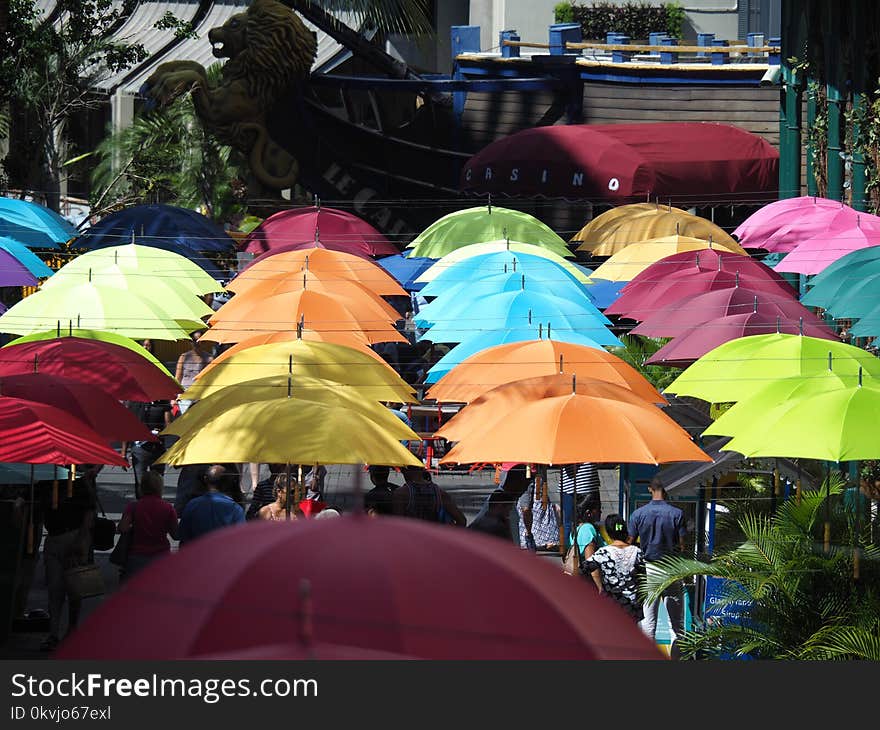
[[306, 307], [556, 419], [334, 264], [506, 363]]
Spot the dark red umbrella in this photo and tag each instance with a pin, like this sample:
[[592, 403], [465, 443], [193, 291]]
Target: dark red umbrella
[[304, 650], [317, 227], [709, 259], [89, 403], [386, 584], [688, 313], [120, 372], [36, 433], [691, 346]]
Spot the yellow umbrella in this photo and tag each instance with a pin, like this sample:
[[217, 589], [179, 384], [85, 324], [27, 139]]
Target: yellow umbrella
[[323, 360], [606, 222], [627, 263]]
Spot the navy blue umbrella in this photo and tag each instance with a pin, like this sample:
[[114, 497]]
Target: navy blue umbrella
[[406, 269]]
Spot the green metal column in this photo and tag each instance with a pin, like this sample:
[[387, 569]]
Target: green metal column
[[790, 105], [836, 100], [812, 188], [857, 16]]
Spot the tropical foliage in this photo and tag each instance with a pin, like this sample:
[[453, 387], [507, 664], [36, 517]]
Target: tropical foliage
[[636, 352]]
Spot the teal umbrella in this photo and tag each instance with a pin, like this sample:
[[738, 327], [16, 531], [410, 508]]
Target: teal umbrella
[[834, 283], [33, 225]]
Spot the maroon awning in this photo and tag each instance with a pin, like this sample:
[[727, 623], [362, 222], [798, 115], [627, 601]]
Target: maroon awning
[[686, 162]]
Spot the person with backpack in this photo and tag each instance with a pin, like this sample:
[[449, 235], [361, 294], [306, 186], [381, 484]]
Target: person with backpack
[[420, 498]]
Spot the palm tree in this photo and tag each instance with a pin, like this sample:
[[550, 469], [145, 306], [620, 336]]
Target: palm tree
[[637, 350], [803, 602]]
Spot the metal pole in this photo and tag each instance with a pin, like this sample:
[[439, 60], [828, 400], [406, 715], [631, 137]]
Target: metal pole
[[827, 540], [287, 506]]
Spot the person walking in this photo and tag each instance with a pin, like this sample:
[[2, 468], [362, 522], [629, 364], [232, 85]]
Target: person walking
[[377, 501], [513, 485], [151, 521], [579, 484], [276, 511], [617, 567], [189, 365], [419, 497], [589, 539], [265, 493], [660, 529], [210, 511]]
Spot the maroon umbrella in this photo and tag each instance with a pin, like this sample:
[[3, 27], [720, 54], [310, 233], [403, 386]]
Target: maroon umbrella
[[709, 259], [386, 584], [688, 313], [691, 346]]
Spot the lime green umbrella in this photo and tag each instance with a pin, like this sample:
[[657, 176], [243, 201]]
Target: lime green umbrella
[[482, 224], [740, 367], [90, 306]]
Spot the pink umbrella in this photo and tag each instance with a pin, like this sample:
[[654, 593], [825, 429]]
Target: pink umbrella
[[685, 314], [691, 346], [317, 227], [780, 225], [815, 254], [641, 301]]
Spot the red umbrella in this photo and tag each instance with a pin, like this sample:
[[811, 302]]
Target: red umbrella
[[691, 346], [120, 372], [317, 227], [709, 259], [304, 650], [36, 433], [89, 403], [685, 314], [384, 584]]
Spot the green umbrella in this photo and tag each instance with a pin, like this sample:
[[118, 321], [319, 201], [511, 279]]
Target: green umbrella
[[482, 224], [740, 367]]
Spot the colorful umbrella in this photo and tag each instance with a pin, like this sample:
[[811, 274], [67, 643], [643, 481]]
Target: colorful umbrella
[[349, 339], [519, 360], [627, 263], [318, 227], [25, 257], [484, 224], [738, 368], [689, 313], [121, 367], [606, 222], [559, 419], [846, 274], [335, 264], [406, 269], [690, 346], [198, 596], [28, 473], [709, 259], [814, 254], [33, 225], [781, 225]]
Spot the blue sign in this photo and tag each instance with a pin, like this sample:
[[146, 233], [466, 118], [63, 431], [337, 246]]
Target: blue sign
[[718, 607]]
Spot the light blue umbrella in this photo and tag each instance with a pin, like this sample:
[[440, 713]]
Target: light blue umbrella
[[26, 257], [605, 292], [33, 225], [484, 340], [406, 269], [511, 310]]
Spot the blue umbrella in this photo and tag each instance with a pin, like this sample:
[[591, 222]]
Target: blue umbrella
[[405, 269], [32, 224], [511, 310], [484, 340], [606, 292], [25, 257]]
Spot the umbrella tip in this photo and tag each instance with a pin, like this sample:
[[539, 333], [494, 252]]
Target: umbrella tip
[[860, 376], [574, 382]]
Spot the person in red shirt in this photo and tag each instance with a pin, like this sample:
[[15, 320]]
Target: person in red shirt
[[152, 520]]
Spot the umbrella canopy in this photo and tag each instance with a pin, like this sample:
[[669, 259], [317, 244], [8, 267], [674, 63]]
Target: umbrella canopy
[[293, 431], [349, 339], [37, 433], [709, 259], [484, 224], [505, 247], [25, 257], [406, 269], [308, 307], [606, 222], [13, 272], [602, 237], [32, 224], [782, 224], [121, 367], [290, 651], [559, 419], [335, 264], [21, 473], [846, 274], [627, 263], [519, 360], [814, 254], [90, 306], [689, 313], [692, 345], [318, 227], [198, 596], [323, 360], [738, 368], [521, 308]]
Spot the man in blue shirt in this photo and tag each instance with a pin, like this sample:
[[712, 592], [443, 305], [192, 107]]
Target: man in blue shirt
[[660, 529], [210, 511]]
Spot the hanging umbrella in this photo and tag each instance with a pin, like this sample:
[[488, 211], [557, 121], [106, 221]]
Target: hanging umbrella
[[841, 277], [492, 338], [198, 597], [519, 360], [33, 225], [484, 224], [812, 255], [690, 346], [349, 339], [323, 360], [690, 313], [781, 225], [406, 269], [25, 257], [606, 222], [336, 264], [518, 309], [318, 227], [559, 419], [738, 368], [627, 263], [22, 473], [89, 306], [709, 259], [605, 293]]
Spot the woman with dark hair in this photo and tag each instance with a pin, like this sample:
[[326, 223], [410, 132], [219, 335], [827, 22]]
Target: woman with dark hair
[[616, 568], [277, 511], [589, 539]]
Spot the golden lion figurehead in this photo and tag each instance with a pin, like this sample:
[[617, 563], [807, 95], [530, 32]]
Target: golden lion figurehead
[[269, 47]]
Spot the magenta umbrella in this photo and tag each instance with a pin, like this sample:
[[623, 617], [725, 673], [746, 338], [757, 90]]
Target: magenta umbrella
[[317, 227], [691, 346], [779, 226], [685, 314], [640, 301], [815, 254], [709, 259]]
